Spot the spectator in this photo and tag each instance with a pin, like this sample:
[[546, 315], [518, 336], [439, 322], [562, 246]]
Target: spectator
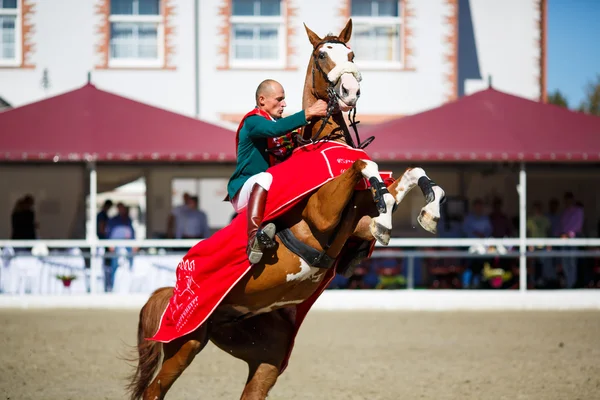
[[102, 220], [554, 217], [539, 226], [501, 224], [193, 223], [175, 218], [571, 226], [118, 227], [476, 223], [102, 230], [23, 219]]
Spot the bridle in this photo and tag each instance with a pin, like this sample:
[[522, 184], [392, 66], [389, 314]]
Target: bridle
[[332, 98]]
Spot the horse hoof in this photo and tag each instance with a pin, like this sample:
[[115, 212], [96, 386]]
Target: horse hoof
[[428, 221], [380, 232]]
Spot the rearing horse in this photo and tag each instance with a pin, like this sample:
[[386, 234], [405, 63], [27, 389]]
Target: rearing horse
[[256, 321]]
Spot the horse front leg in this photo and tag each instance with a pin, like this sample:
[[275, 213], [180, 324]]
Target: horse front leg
[[325, 208], [434, 196], [430, 213], [380, 226]]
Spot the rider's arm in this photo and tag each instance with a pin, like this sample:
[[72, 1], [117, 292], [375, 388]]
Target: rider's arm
[[259, 127]]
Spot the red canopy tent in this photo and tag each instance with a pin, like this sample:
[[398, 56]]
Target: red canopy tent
[[489, 126], [89, 124]]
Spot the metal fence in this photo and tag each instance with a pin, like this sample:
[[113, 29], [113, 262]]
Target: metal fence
[[29, 267]]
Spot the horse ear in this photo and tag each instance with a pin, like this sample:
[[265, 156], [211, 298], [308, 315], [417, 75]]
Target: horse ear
[[346, 32], [313, 37]]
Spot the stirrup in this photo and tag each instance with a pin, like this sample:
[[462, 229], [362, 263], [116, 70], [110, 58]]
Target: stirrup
[[265, 236], [262, 241]]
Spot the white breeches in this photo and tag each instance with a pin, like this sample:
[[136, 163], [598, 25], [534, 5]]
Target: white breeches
[[240, 201]]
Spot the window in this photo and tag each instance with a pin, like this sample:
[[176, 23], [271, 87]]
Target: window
[[257, 33], [376, 33], [10, 33], [136, 33]]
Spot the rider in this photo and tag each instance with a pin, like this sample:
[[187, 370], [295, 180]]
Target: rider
[[260, 130]]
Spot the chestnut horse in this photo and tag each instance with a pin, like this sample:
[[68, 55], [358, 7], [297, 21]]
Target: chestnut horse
[[262, 302]]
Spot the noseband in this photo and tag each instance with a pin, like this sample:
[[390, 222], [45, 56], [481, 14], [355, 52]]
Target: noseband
[[332, 98]]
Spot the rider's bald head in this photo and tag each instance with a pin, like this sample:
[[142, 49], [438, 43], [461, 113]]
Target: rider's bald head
[[270, 97], [267, 88]]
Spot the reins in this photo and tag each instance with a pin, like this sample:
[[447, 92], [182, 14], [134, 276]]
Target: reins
[[331, 103]]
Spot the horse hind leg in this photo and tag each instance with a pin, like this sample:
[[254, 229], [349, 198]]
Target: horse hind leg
[[158, 364], [178, 355], [149, 353]]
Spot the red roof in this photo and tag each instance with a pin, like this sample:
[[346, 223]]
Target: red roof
[[91, 124], [489, 126]]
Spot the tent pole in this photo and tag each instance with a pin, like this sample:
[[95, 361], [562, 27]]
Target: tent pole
[[92, 238], [197, 58], [522, 189]]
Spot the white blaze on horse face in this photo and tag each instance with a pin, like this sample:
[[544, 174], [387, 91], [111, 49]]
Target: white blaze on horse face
[[348, 89], [345, 75], [306, 272]]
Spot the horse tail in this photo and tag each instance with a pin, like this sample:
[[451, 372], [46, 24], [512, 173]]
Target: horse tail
[[149, 352]]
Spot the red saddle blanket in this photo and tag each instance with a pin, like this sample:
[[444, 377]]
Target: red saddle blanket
[[212, 267]]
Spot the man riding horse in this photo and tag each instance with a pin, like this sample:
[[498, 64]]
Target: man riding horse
[[263, 139], [253, 312]]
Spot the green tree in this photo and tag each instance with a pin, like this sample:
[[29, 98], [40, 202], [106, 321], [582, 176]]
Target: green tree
[[591, 102], [558, 99]]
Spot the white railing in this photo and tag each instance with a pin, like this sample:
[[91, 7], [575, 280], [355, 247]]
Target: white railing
[[395, 242], [513, 248]]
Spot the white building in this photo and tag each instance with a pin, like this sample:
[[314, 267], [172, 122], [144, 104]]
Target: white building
[[205, 57]]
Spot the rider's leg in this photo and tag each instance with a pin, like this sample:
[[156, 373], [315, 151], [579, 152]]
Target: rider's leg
[[253, 196], [259, 238]]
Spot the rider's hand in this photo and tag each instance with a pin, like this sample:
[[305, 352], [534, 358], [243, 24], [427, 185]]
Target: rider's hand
[[319, 109]]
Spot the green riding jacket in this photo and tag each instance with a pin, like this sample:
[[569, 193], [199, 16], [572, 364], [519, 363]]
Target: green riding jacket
[[252, 157]]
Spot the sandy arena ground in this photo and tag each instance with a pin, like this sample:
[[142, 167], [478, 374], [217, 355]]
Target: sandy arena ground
[[74, 354]]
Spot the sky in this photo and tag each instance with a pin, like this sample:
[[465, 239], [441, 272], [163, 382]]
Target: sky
[[573, 47]]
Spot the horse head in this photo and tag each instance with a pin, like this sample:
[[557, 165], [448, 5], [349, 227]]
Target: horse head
[[335, 77]]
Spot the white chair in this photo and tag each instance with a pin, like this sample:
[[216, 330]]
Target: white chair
[[25, 275], [141, 272], [6, 256]]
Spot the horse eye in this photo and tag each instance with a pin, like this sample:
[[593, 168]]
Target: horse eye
[[322, 55]]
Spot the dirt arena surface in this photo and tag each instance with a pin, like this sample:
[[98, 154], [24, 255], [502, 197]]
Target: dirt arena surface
[[74, 354]]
